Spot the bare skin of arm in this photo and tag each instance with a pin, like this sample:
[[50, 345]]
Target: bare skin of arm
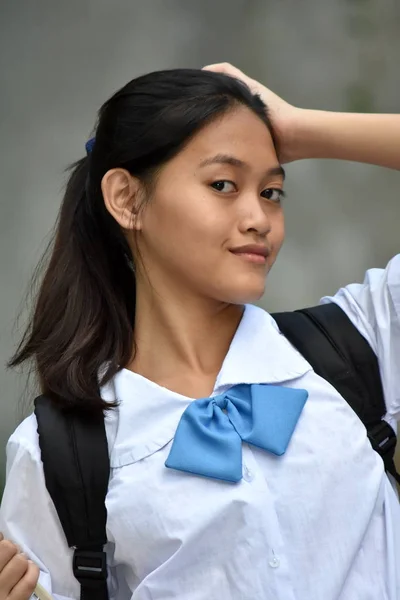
[[365, 138], [302, 133]]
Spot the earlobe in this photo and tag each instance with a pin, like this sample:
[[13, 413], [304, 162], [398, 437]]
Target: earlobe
[[121, 193]]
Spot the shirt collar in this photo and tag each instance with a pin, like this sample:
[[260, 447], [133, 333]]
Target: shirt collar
[[148, 414], [259, 353]]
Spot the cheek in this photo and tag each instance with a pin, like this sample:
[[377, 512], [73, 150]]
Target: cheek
[[277, 237], [200, 212], [278, 232], [184, 225]]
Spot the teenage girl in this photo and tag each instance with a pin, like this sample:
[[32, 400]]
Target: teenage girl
[[166, 235]]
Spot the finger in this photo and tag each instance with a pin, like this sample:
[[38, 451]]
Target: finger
[[221, 66], [231, 71], [14, 570], [24, 589], [7, 551], [225, 68]]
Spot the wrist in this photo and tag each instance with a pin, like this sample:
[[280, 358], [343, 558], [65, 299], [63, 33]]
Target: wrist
[[301, 134]]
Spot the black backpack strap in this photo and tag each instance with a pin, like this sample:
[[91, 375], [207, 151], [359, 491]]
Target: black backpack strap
[[76, 469], [338, 352]]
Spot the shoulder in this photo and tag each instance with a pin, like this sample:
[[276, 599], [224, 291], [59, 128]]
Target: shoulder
[[377, 281], [373, 306], [23, 445], [24, 469], [24, 440]]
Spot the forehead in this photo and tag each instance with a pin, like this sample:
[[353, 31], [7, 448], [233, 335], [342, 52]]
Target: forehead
[[240, 133]]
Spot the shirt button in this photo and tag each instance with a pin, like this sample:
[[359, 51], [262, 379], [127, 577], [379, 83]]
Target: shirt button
[[247, 474], [274, 562]]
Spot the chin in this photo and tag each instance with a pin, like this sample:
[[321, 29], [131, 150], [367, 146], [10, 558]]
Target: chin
[[250, 297], [243, 294]]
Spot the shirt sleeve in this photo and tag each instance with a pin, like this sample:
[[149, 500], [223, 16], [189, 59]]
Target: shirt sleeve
[[28, 516], [374, 308]]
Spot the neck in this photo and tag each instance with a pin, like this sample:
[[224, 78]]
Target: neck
[[182, 339]]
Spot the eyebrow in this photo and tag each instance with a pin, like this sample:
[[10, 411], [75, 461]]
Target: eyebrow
[[227, 159]]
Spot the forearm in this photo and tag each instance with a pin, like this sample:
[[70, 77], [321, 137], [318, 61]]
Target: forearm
[[366, 138]]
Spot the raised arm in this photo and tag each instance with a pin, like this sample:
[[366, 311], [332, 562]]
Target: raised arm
[[366, 138], [302, 133]]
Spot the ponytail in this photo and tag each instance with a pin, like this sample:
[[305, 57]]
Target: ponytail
[[82, 325]]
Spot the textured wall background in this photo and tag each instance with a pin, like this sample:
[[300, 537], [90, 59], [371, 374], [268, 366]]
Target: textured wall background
[[60, 60]]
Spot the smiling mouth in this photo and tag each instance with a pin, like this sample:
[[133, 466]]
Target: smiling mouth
[[254, 253], [251, 257]]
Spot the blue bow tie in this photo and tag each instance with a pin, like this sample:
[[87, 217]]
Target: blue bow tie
[[208, 440]]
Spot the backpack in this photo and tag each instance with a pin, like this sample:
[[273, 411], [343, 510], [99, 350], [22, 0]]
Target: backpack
[[75, 453]]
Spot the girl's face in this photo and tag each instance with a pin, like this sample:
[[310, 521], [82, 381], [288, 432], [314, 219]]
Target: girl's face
[[221, 193]]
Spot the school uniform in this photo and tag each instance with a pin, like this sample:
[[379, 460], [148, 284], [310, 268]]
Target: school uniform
[[320, 522]]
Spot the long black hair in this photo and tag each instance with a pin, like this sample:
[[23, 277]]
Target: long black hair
[[82, 329]]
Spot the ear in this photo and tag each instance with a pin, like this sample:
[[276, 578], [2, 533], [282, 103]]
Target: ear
[[121, 193]]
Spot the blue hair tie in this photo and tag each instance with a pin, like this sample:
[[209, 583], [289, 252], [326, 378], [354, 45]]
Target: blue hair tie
[[89, 145]]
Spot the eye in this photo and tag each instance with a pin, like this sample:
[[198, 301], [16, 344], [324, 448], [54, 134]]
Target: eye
[[222, 185], [273, 194]]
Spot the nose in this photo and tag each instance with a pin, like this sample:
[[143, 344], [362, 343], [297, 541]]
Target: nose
[[255, 217]]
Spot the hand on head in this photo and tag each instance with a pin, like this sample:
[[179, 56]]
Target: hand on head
[[283, 116]]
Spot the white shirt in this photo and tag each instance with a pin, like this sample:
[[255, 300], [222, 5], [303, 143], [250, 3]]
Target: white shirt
[[321, 522]]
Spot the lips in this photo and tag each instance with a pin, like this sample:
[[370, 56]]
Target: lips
[[256, 249]]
